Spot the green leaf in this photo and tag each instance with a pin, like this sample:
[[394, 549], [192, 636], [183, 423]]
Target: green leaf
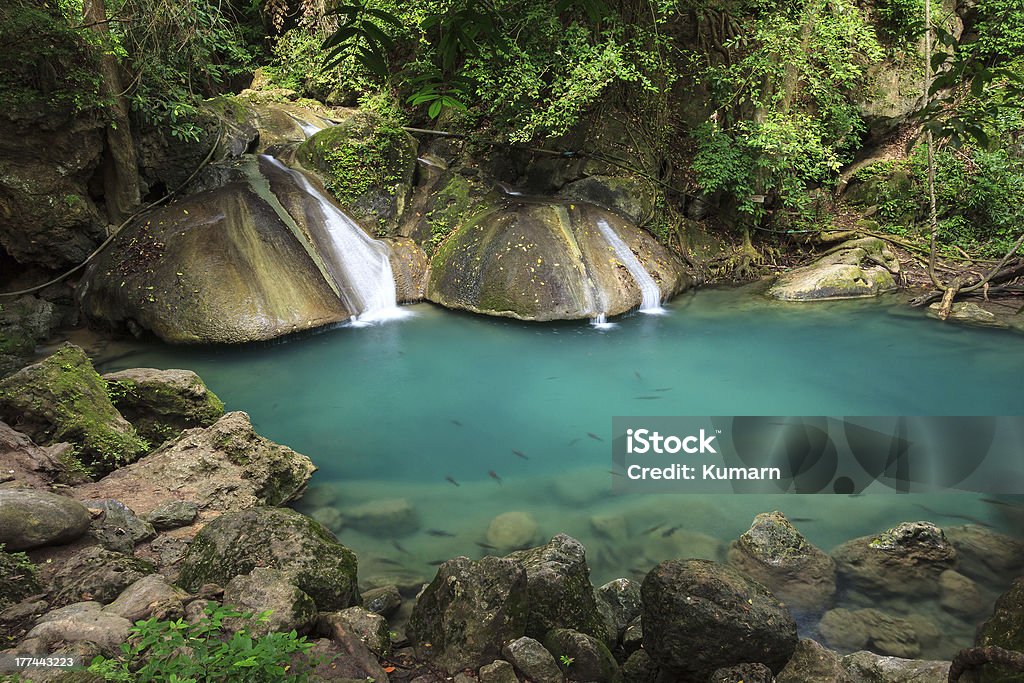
[[435, 109]]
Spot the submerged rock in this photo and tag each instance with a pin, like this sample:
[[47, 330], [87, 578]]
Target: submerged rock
[[62, 398], [986, 555], [855, 269], [773, 552], [469, 611], [867, 667], [560, 592], [392, 517], [700, 617], [850, 630], [905, 560], [237, 542], [547, 261], [969, 313], [226, 466], [512, 530], [161, 404], [30, 518]]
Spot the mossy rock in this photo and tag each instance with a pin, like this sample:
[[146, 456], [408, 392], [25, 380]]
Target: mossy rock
[[18, 576], [367, 164], [306, 551], [856, 269], [63, 399], [162, 403], [547, 261], [1005, 629]]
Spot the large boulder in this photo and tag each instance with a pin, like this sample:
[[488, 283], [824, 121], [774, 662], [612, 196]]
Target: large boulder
[[775, 553], [855, 269], [985, 555], [560, 592], [367, 164], [27, 464], [161, 404], [469, 611], [905, 560], [226, 466], [226, 265], [700, 616], [31, 518], [310, 556], [149, 596], [62, 398], [547, 261], [78, 622], [23, 322]]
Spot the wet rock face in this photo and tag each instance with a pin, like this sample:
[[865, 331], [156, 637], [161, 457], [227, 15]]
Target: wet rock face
[[160, 404], [1005, 629], [222, 266], [62, 398], [855, 269], [30, 519], [700, 617], [560, 592], [310, 556], [46, 161], [546, 261], [773, 552], [226, 466], [905, 560], [469, 611]]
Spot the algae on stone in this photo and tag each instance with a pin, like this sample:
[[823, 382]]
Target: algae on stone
[[63, 399]]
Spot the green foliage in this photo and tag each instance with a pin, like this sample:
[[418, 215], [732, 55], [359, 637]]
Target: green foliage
[[46, 59], [980, 194], [1000, 29], [901, 19], [179, 52], [785, 105], [18, 575], [566, 660], [176, 651]]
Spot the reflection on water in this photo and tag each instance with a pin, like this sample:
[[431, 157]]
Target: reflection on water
[[425, 430]]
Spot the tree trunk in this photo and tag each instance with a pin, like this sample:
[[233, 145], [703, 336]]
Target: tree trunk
[[120, 168]]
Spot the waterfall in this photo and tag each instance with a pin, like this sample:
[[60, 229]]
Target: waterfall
[[651, 302], [308, 129], [358, 263]]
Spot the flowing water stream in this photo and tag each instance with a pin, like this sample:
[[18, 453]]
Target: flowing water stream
[[651, 294], [465, 418]]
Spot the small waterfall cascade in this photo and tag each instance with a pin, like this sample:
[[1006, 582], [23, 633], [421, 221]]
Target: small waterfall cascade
[[308, 129], [651, 302], [358, 263]]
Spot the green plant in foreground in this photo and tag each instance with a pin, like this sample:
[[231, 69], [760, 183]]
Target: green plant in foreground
[[176, 651], [566, 660]]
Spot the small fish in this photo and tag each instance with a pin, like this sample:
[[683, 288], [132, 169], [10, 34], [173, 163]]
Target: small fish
[[486, 546], [653, 529], [436, 563], [802, 519], [637, 374], [966, 518], [648, 398], [573, 442], [399, 548], [993, 501], [494, 475], [553, 377], [664, 389], [614, 473], [668, 532], [456, 423], [452, 481], [595, 437], [520, 454], [440, 533], [388, 560]]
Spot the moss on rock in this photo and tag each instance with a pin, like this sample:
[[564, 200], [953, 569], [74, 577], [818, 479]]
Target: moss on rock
[[160, 404], [62, 398]]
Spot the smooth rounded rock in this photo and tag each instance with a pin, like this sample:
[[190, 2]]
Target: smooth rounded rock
[[30, 519], [269, 590], [512, 530], [533, 660]]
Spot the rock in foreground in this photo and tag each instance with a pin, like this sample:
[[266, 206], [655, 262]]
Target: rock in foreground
[[161, 404], [855, 269], [31, 518], [700, 616]]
